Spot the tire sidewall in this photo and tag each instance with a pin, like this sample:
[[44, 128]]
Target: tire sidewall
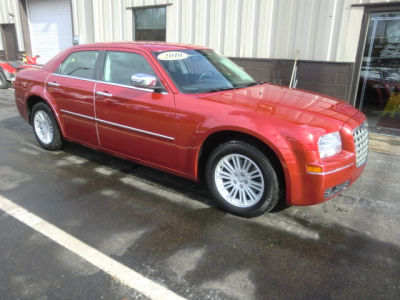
[[4, 84], [56, 143], [271, 186]]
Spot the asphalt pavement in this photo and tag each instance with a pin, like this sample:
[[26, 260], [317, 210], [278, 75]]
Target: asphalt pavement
[[66, 216]]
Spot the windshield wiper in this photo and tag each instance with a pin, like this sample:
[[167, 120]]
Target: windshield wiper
[[214, 90], [239, 86]]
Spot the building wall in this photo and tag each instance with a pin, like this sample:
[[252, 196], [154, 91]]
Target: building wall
[[325, 30], [261, 35], [9, 14]]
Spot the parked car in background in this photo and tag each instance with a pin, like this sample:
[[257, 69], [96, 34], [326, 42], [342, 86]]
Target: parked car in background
[[192, 112], [378, 85]]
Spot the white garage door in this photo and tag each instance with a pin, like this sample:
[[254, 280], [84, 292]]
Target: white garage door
[[50, 27]]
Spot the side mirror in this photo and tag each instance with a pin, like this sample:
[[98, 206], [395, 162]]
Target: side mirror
[[145, 81]]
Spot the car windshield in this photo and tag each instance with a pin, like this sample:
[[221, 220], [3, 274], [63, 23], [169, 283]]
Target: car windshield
[[203, 71]]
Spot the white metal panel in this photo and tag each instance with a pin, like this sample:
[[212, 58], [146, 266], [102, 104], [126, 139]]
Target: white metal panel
[[326, 30], [83, 23], [221, 27], [230, 16], [349, 47], [213, 25], [174, 22], [50, 27]]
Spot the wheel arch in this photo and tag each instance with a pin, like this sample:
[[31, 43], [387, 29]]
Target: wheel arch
[[30, 102], [216, 138], [34, 99]]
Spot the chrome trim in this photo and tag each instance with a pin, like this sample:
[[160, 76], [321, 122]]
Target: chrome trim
[[110, 83], [136, 129], [130, 87], [333, 171], [53, 83], [76, 114], [103, 94], [361, 143], [74, 77], [119, 125], [94, 111]]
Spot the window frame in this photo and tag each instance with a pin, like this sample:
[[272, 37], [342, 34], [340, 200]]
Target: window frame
[[369, 8], [95, 69], [101, 65]]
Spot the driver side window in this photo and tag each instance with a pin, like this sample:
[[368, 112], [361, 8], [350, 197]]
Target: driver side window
[[120, 66]]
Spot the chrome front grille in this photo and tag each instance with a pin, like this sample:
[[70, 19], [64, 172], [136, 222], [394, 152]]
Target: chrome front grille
[[360, 136]]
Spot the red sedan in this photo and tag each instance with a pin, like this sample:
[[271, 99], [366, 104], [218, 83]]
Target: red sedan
[[194, 113]]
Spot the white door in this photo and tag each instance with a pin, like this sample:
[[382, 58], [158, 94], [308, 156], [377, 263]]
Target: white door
[[50, 27]]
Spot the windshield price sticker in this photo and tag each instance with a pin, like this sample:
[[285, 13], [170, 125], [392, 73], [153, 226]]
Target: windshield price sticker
[[172, 55]]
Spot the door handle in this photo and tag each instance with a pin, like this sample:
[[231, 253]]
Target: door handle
[[103, 94], [53, 83]]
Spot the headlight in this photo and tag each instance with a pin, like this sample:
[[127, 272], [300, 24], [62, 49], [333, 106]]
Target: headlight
[[329, 144]]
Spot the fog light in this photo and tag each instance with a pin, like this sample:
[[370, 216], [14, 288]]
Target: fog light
[[336, 189]]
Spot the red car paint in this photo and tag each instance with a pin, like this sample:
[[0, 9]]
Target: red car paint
[[8, 67], [288, 121]]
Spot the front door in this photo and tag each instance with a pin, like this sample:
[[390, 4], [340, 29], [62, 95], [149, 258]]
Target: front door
[[138, 123], [72, 87], [379, 85]]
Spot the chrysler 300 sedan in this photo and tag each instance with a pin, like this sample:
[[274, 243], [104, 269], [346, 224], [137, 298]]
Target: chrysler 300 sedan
[[192, 112]]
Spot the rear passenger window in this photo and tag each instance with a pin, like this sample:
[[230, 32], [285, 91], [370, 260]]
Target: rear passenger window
[[80, 64], [120, 66]]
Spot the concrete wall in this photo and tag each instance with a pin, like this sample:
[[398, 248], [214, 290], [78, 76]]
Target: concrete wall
[[330, 78]]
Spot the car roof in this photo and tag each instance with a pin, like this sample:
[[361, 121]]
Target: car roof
[[145, 45]]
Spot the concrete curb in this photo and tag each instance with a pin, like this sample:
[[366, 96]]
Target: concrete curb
[[384, 144]]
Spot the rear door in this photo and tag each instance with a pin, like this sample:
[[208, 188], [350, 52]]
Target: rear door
[[138, 123], [72, 87]]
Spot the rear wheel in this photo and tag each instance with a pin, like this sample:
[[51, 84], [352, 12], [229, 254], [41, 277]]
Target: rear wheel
[[45, 127], [242, 179], [4, 83]]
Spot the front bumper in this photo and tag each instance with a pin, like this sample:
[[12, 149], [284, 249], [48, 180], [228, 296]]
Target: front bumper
[[307, 188], [336, 173]]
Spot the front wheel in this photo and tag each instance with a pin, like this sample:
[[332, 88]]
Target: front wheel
[[45, 127], [242, 179]]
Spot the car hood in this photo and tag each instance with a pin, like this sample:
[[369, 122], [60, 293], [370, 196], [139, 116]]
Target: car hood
[[291, 105]]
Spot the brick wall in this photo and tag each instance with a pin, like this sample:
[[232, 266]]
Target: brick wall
[[328, 78]]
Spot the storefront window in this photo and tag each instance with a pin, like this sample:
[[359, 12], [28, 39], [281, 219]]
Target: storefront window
[[379, 86]]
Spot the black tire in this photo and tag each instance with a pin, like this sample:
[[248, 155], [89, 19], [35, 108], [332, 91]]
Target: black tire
[[4, 83], [56, 142], [244, 151]]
